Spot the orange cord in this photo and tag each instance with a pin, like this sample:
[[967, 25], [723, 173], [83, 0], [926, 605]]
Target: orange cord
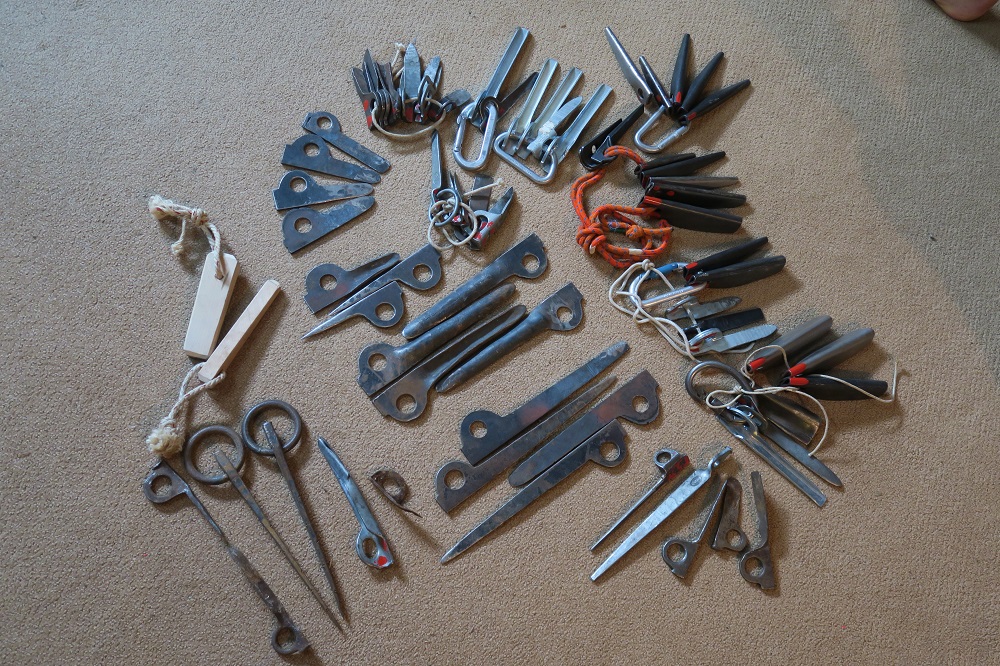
[[594, 227]]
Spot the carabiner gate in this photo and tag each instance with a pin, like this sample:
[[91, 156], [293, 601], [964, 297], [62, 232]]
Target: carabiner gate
[[489, 132], [659, 146]]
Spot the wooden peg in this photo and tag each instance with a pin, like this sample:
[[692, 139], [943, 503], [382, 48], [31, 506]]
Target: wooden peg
[[210, 306], [240, 332]]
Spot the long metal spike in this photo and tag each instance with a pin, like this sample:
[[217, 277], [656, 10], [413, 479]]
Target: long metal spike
[[475, 477], [589, 449], [234, 478], [666, 508], [300, 507], [520, 125], [556, 102], [629, 70], [296, 641], [506, 63], [669, 470]]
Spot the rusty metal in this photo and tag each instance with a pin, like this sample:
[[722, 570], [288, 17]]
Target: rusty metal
[[230, 472], [728, 534], [276, 449], [286, 637], [392, 484], [635, 400], [605, 448], [457, 481], [483, 432], [762, 573]]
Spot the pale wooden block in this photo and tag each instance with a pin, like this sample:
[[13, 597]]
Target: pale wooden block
[[240, 332], [210, 306]]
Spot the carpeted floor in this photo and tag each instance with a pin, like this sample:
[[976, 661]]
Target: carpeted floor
[[867, 148]]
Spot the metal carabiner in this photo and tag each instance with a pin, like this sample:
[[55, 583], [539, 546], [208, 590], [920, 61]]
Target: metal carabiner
[[657, 147], [743, 384], [489, 132]]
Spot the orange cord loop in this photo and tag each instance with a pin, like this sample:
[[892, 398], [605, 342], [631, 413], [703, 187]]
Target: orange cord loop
[[592, 234]]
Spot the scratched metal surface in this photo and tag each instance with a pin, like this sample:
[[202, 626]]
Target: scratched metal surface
[[867, 149]]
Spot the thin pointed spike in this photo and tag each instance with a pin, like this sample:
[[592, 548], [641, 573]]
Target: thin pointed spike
[[635, 80], [715, 99], [697, 87], [677, 82]]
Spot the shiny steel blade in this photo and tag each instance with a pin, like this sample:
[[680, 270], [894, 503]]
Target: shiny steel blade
[[727, 322], [801, 455], [410, 79], [437, 171], [370, 70], [510, 99], [556, 102], [669, 469], [565, 112], [660, 93], [428, 85], [572, 134], [492, 88], [520, 124], [721, 343], [635, 80], [673, 501], [361, 84], [544, 141], [700, 310]]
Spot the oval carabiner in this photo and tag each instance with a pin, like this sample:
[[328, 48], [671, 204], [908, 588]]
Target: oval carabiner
[[742, 382], [489, 133], [665, 141]]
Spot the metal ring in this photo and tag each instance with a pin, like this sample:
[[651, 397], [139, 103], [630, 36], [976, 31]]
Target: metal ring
[[742, 381], [189, 447], [454, 199], [281, 406], [695, 340], [671, 562]]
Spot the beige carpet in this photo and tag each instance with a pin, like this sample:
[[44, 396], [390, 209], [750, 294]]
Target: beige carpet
[[867, 148]]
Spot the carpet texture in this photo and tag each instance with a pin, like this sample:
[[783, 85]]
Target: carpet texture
[[867, 147]]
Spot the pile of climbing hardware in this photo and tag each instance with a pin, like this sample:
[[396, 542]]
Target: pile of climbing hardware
[[770, 398]]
